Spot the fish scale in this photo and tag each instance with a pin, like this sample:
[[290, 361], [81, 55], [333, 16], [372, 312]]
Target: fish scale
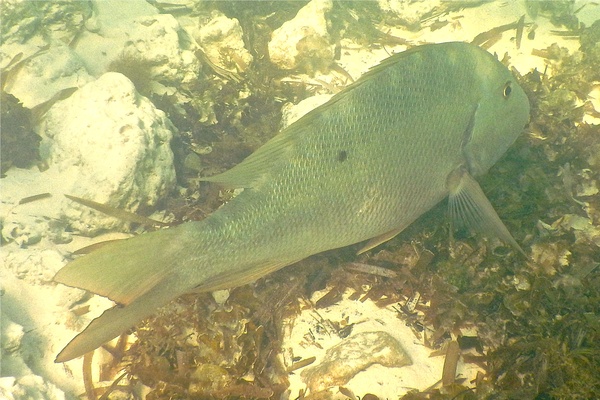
[[365, 165]]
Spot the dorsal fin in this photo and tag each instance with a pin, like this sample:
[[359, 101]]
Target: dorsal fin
[[258, 164]]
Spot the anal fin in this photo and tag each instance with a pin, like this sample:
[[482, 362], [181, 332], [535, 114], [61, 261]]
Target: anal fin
[[377, 240], [235, 278]]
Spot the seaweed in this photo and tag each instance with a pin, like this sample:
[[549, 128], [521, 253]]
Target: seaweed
[[539, 325], [20, 144], [559, 12], [52, 22], [536, 319]]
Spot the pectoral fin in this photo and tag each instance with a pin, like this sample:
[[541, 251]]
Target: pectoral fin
[[469, 206]]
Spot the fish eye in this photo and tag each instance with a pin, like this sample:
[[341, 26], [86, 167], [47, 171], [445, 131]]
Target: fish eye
[[507, 90]]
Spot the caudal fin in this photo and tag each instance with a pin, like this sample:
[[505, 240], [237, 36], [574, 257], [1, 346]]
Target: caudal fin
[[114, 322], [140, 274], [145, 272], [126, 269]]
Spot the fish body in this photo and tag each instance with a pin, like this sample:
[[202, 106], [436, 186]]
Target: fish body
[[365, 165]]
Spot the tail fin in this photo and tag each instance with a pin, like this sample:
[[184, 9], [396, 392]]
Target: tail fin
[[114, 322], [139, 274], [126, 269], [146, 272]]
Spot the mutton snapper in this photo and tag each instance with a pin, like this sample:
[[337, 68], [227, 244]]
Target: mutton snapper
[[366, 164]]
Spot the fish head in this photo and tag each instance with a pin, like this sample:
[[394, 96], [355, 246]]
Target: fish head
[[498, 118]]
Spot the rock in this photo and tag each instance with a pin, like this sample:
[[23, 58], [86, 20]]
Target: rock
[[304, 41], [36, 60], [104, 143], [37, 318], [36, 267], [26, 332], [12, 336], [221, 39], [29, 387], [110, 145], [106, 32], [158, 55], [151, 49], [410, 12], [353, 355]]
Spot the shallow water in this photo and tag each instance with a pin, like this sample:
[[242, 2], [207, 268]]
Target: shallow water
[[138, 140]]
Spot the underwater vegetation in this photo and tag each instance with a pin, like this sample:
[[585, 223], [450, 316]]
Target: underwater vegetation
[[537, 319], [19, 143]]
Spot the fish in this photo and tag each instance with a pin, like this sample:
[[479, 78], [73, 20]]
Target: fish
[[413, 130]]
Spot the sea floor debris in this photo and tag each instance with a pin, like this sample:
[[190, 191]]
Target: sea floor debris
[[531, 325]]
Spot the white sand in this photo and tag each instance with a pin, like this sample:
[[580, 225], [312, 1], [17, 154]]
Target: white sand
[[36, 318]]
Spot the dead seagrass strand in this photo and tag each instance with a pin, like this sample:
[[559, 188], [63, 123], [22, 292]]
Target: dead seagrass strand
[[362, 166]]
